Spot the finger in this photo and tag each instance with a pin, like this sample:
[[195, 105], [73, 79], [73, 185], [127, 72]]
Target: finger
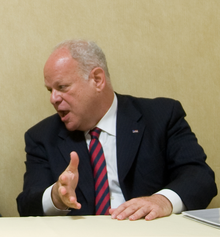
[[129, 212], [62, 179], [125, 210], [66, 177], [140, 213], [62, 191], [115, 212], [111, 210], [75, 204], [69, 201], [151, 215], [74, 162], [72, 202]]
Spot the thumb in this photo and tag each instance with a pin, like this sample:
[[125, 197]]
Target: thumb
[[74, 162]]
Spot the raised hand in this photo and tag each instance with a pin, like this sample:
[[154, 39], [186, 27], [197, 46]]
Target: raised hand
[[63, 191]]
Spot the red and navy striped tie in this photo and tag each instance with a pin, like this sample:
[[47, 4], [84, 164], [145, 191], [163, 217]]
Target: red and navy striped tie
[[102, 196]]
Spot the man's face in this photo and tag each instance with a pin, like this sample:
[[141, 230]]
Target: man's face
[[72, 96]]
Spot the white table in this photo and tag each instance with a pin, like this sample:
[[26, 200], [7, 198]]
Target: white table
[[102, 226]]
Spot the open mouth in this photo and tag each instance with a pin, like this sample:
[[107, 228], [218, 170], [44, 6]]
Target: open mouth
[[63, 113]]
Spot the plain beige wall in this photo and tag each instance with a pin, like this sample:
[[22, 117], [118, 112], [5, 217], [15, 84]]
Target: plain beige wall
[[154, 48]]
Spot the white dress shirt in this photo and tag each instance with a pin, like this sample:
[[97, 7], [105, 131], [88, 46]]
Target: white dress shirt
[[107, 139]]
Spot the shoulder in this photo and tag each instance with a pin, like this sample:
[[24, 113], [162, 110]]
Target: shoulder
[[50, 125], [159, 105]]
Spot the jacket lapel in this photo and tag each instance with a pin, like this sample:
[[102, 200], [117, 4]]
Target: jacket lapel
[[129, 132]]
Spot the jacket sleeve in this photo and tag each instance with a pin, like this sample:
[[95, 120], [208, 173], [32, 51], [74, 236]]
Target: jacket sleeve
[[189, 175], [36, 179]]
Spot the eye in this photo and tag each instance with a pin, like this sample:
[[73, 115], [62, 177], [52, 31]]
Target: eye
[[61, 87]]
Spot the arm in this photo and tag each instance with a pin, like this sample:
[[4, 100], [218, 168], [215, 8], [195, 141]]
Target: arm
[[36, 179], [39, 177], [187, 174]]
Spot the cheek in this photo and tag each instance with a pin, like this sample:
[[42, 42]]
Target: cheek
[[81, 101], [70, 100]]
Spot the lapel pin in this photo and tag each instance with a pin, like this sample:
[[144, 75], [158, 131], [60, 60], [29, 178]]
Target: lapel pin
[[135, 131]]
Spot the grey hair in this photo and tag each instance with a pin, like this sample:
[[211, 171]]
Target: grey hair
[[88, 54]]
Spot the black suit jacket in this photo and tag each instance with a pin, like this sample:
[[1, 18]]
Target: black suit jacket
[[156, 149]]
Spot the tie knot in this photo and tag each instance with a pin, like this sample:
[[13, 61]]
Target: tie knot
[[95, 133]]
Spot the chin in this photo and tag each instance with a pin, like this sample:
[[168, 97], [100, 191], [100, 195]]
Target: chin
[[71, 127]]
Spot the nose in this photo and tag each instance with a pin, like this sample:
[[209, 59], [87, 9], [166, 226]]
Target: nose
[[55, 97]]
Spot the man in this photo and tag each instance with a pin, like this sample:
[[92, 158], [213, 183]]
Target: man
[[154, 163]]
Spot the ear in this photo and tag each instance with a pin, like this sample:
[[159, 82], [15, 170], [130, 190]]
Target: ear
[[98, 76]]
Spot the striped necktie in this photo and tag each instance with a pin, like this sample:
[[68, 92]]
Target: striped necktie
[[102, 196]]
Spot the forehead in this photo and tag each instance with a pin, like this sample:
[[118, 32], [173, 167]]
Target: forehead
[[60, 59], [59, 65]]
